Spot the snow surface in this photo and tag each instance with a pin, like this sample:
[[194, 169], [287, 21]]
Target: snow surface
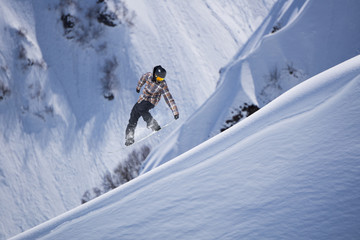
[[289, 171], [59, 135]]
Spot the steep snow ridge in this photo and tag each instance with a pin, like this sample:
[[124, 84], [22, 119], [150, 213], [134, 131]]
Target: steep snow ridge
[[307, 42], [283, 13], [289, 171]]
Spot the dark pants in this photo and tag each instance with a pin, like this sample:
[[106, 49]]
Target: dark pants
[[139, 110]]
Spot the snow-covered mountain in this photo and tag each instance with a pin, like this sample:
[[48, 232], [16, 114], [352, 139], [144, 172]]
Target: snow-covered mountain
[[289, 171], [60, 64]]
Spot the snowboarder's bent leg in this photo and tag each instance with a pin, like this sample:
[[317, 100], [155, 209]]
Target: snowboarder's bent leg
[[130, 129], [146, 115], [129, 139], [140, 109], [134, 115], [153, 124]]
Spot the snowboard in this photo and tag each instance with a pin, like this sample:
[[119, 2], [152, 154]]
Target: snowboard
[[147, 136]]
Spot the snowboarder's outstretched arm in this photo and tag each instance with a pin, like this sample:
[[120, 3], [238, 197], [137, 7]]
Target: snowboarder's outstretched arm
[[170, 101], [142, 80]]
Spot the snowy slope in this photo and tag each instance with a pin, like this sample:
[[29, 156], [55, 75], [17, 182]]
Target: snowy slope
[[59, 135], [289, 171], [312, 37]]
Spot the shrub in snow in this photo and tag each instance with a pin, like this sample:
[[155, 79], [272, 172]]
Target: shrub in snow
[[109, 96], [238, 114], [68, 22], [84, 23], [292, 71], [124, 172], [88, 195], [26, 59], [278, 81], [276, 28], [109, 81], [112, 14], [4, 77], [108, 182], [49, 110], [106, 16], [129, 169], [4, 91], [274, 75]]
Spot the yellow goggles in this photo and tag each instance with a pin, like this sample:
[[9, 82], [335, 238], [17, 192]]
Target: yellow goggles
[[159, 78]]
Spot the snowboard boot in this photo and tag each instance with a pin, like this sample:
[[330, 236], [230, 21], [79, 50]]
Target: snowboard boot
[[129, 138], [129, 141], [153, 125]]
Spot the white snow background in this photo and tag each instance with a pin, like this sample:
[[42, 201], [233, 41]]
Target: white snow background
[[289, 171]]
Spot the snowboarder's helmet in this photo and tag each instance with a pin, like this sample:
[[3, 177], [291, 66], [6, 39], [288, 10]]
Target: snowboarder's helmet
[[159, 73]]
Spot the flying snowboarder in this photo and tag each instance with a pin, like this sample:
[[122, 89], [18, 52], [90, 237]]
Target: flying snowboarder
[[150, 97]]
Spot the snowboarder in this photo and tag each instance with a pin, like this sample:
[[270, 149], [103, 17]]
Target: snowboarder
[[151, 95]]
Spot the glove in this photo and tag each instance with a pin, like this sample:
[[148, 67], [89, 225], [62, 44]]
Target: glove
[[137, 90], [176, 116]]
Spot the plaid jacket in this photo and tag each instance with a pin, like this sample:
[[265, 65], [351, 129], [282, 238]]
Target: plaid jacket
[[153, 90]]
